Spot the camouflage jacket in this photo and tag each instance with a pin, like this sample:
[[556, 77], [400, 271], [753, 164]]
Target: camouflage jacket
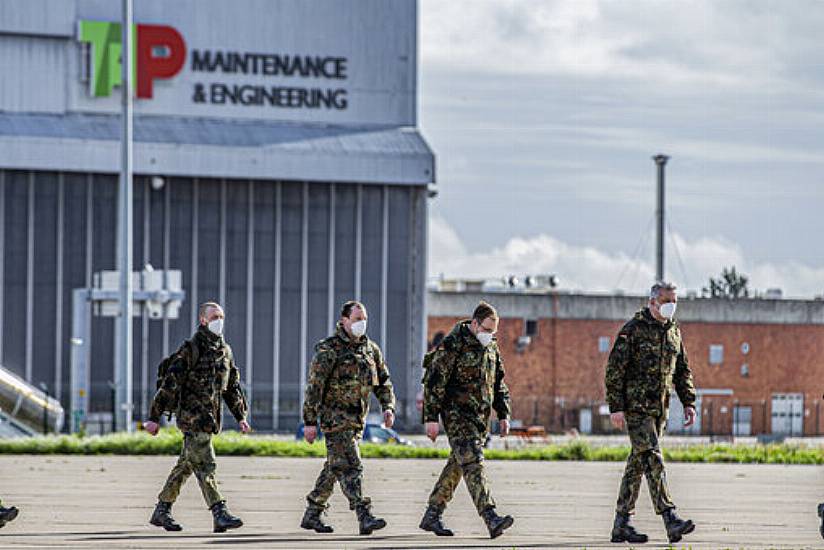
[[648, 358], [343, 374], [201, 386], [463, 383]]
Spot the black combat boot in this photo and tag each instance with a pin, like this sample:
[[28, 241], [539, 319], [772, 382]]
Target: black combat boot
[[312, 521], [623, 531], [495, 523], [222, 519], [368, 522], [162, 517], [676, 527], [7, 514], [821, 515], [432, 522]]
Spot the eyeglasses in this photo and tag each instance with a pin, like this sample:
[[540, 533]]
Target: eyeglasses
[[485, 329]]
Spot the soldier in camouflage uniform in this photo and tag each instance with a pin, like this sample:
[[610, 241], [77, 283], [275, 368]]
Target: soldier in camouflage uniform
[[201, 374], [346, 369], [463, 383], [648, 358]]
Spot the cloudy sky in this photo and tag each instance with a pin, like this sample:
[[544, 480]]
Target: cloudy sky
[[544, 114]]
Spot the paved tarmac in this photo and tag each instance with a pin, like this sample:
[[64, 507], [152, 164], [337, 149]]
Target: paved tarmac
[[105, 502]]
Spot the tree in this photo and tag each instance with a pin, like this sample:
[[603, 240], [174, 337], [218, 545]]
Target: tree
[[731, 285]]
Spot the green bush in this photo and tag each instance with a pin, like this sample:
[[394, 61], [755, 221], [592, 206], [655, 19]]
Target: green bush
[[168, 442]]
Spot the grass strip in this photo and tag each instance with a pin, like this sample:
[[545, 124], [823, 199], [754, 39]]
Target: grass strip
[[168, 442]]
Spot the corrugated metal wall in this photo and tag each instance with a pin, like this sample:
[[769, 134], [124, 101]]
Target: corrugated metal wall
[[280, 256]]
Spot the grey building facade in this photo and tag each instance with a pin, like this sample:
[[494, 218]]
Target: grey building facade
[[280, 208]]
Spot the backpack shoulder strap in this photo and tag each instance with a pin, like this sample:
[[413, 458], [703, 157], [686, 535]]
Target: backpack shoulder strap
[[194, 353]]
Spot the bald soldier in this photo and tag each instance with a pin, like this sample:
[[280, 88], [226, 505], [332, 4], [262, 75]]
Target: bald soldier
[[201, 375], [647, 360], [347, 368]]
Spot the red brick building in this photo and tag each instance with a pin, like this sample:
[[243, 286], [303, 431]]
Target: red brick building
[[758, 364]]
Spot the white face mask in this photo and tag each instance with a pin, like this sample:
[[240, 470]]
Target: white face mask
[[358, 329], [216, 327], [485, 338], [668, 310]]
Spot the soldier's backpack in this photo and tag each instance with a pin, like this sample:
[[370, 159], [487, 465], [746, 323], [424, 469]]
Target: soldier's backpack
[[165, 365], [446, 343]]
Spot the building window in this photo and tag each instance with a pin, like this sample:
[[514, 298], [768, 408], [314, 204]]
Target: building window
[[716, 354], [531, 327], [603, 344]]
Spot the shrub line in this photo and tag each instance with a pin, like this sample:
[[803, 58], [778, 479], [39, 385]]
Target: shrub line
[[168, 442]]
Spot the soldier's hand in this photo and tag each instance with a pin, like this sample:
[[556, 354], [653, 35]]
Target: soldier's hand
[[689, 416], [432, 429], [388, 418], [244, 426], [504, 426], [310, 433], [617, 419], [151, 427]]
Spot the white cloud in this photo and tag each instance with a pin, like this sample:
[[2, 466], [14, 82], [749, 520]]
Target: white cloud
[[589, 269], [700, 42]]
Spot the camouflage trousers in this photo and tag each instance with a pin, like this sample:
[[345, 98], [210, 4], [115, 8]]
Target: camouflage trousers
[[343, 464], [465, 461], [197, 457], [644, 459]]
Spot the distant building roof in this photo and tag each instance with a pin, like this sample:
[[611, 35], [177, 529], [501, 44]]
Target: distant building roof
[[621, 307]]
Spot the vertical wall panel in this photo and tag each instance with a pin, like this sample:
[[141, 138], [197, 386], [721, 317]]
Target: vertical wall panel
[[44, 278], [156, 257], [140, 257], [290, 347], [318, 263], [277, 293], [249, 289], [180, 254], [180, 257], [15, 257], [208, 265], [192, 295], [57, 381], [399, 324], [29, 316], [102, 364], [331, 316], [236, 210], [372, 221], [74, 262], [345, 249], [2, 253], [221, 285], [263, 333]]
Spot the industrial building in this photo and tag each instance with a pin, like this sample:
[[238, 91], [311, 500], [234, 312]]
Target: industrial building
[[757, 363], [278, 167]]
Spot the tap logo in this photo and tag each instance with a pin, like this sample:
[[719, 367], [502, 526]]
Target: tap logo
[[159, 52]]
